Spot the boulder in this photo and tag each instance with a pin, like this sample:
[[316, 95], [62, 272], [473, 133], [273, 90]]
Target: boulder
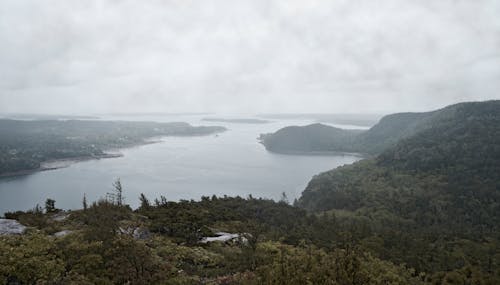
[[11, 227]]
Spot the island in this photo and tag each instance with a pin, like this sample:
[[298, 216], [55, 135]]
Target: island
[[33, 145]]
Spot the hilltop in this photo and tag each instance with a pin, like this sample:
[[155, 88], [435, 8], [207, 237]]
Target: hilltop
[[311, 138], [165, 242], [383, 135]]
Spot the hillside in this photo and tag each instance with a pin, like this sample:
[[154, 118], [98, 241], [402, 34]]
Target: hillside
[[323, 138], [385, 134], [222, 240], [462, 137], [457, 155], [311, 138], [165, 242], [438, 187]]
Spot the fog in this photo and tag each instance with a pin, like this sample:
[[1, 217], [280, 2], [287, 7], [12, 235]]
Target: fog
[[256, 56]]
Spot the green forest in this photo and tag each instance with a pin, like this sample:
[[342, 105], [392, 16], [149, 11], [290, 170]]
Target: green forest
[[106, 242], [388, 132], [277, 244], [424, 210]]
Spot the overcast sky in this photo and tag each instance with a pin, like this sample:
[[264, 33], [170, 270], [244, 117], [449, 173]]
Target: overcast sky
[[331, 56]]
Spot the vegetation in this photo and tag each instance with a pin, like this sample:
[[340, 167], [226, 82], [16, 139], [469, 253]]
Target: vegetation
[[424, 211], [312, 138], [430, 201], [278, 243], [382, 136], [159, 243], [25, 145]]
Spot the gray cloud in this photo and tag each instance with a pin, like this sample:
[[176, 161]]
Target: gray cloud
[[246, 56]]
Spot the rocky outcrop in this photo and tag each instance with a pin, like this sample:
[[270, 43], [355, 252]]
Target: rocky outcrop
[[11, 227]]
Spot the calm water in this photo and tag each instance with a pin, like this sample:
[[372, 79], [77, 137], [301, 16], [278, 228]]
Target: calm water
[[232, 163]]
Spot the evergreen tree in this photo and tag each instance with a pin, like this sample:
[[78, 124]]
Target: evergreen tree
[[50, 206], [145, 204]]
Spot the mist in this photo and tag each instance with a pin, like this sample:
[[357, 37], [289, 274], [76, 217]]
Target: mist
[[92, 57]]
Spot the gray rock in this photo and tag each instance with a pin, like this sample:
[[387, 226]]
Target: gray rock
[[59, 217], [141, 233], [136, 232], [11, 227], [223, 237], [62, 233]]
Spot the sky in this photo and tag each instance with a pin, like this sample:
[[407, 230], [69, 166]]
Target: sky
[[256, 56]]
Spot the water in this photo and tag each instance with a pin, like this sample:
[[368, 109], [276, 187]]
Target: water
[[232, 163]]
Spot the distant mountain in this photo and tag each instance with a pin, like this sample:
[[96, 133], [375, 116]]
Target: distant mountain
[[385, 134], [319, 137]]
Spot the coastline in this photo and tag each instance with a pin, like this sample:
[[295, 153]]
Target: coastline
[[113, 152], [314, 152], [54, 164], [319, 153]]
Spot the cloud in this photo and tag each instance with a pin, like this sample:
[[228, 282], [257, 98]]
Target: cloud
[[246, 56]]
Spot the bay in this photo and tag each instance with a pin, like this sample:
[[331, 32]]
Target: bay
[[232, 163]]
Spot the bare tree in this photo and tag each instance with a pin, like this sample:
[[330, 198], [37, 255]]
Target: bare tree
[[117, 195]]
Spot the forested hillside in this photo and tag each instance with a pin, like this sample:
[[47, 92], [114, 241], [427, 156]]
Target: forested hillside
[[385, 134], [434, 193], [165, 242], [162, 242], [311, 138]]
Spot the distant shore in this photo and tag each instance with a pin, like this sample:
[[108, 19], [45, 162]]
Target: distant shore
[[54, 164], [80, 140]]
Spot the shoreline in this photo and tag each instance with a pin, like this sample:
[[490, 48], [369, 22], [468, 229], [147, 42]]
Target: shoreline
[[315, 152], [319, 153], [54, 164]]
